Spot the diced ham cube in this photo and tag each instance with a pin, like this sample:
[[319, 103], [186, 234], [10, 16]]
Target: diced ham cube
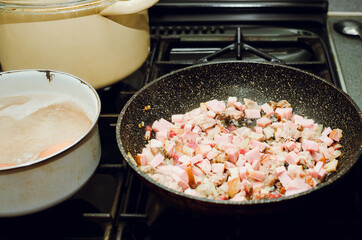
[[154, 143], [331, 166], [279, 170], [148, 153], [326, 140], [263, 122], [295, 171], [267, 109], [177, 118], [292, 158], [184, 159], [232, 101], [212, 154], [306, 123], [197, 129], [216, 106], [284, 178], [162, 135], [180, 182], [187, 150], [336, 135], [218, 168], [190, 136], [239, 197], [157, 160], [309, 145], [203, 149], [317, 156], [295, 186], [188, 127], [205, 165], [234, 172], [169, 147], [211, 114], [141, 159], [284, 112], [261, 145], [258, 175], [233, 154], [298, 147], [197, 172], [290, 145], [253, 155], [259, 130], [318, 166], [252, 113], [229, 165], [197, 158], [239, 106], [321, 173], [326, 131], [161, 124], [223, 139], [242, 172]]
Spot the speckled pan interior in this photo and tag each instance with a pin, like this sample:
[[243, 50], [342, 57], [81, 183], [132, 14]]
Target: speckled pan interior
[[183, 90]]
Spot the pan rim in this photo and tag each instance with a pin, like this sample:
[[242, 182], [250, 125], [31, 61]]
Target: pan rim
[[343, 172]]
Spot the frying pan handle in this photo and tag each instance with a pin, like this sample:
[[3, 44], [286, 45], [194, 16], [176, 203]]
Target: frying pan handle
[[127, 7]]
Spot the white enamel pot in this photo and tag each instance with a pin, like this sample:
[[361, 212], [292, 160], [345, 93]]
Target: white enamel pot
[[37, 185], [100, 41]]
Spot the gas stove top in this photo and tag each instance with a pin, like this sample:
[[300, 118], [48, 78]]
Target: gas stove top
[[115, 205]]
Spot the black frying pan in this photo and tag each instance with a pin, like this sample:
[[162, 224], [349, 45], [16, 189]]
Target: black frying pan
[[183, 90]]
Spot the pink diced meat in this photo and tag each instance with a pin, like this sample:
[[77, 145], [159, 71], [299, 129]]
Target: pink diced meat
[[309, 145], [162, 135], [252, 113], [204, 149], [239, 197], [142, 159], [263, 122], [253, 155], [177, 118], [233, 154], [295, 186], [242, 172], [218, 168], [212, 154], [290, 145], [284, 112], [267, 109], [184, 185], [258, 175], [261, 145], [239, 106], [205, 165], [215, 105], [326, 140], [326, 131], [292, 158], [197, 158], [157, 160], [232, 101], [284, 178]]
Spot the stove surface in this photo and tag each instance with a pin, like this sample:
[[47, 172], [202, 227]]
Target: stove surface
[[115, 205]]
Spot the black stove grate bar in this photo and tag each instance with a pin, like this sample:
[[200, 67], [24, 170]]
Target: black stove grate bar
[[109, 221], [176, 64], [238, 47]]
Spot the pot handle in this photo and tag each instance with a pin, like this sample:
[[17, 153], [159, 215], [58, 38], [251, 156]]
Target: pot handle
[[127, 7]]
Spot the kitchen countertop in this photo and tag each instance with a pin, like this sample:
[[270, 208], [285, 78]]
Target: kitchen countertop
[[347, 50]]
